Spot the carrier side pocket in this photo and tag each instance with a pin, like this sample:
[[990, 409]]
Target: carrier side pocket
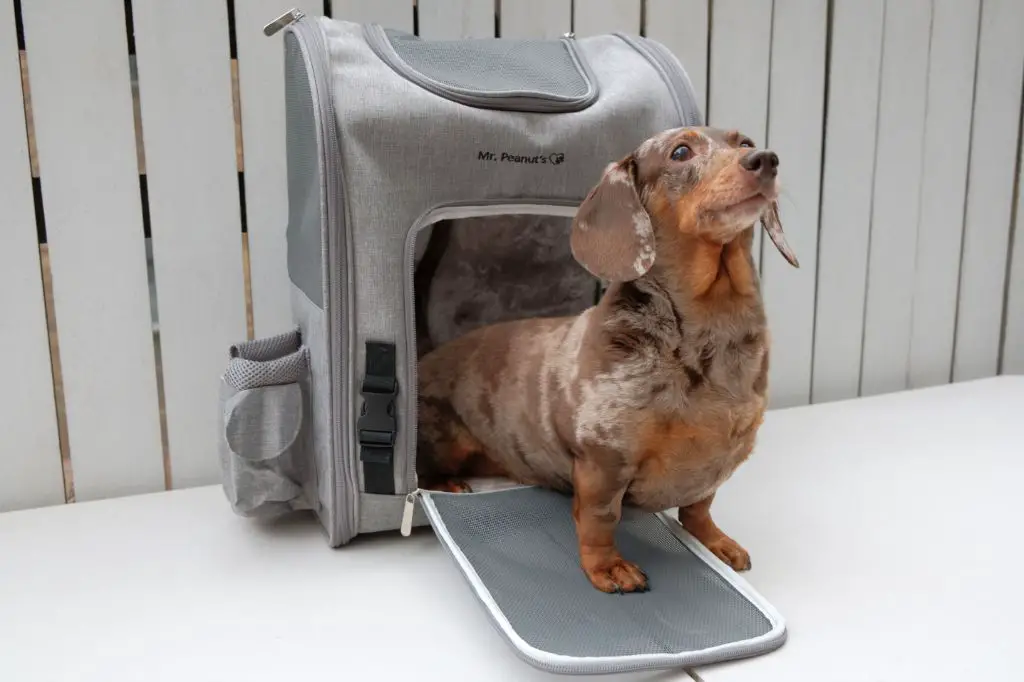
[[265, 451]]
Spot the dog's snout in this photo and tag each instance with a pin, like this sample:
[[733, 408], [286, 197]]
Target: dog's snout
[[764, 162]]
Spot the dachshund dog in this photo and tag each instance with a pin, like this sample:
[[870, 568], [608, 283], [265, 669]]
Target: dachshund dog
[[652, 397]]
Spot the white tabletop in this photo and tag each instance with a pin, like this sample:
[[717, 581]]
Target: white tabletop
[[884, 530], [887, 531]]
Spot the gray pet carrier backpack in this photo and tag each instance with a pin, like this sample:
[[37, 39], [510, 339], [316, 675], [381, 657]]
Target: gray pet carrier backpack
[[431, 186]]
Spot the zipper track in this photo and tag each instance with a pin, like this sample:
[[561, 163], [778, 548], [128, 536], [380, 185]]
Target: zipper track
[[449, 211], [668, 67], [346, 488]]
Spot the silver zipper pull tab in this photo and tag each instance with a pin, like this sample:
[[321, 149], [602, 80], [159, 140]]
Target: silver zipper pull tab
[[407, 513], [289, 17]]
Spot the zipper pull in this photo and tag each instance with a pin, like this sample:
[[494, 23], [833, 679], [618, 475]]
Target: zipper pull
[[286, 19], [407, 513]]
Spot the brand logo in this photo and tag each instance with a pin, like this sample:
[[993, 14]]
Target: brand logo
[[553, 159]]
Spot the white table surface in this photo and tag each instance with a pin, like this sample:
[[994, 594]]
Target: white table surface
[[885, 530]]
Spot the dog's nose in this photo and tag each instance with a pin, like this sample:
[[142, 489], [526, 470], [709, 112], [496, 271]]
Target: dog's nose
[[764, 162]]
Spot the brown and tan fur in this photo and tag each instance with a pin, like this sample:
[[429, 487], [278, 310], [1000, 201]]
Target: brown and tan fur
[[654, 396]]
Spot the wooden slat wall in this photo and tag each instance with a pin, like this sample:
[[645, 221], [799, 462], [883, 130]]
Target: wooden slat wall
[[82, 111], [795, 113], [947, 138], [897, 190], [850, 142], [897, 122], [188, 132], [990, 192], [536, 18], [454, 19], [30, 471]]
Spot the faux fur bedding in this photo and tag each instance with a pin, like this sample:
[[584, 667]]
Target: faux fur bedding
[[477, 271]]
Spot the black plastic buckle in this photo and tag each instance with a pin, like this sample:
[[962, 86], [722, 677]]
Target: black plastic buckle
[[377, 426]]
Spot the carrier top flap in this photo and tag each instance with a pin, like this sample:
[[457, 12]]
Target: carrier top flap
[[491, 73], [517, 548]]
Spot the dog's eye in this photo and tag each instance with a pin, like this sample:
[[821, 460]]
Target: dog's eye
[[681, 153], [747, 143]]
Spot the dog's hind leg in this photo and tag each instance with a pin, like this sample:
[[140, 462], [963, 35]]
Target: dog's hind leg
[[445, 449]]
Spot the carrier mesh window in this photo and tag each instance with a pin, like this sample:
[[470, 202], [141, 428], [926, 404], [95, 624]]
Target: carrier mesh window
[[540, 67], [304, 196]]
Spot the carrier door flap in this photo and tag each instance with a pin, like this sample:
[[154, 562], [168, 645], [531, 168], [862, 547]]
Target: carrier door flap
[[518, 550]]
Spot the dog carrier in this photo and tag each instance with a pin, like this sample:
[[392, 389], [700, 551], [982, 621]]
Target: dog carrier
[[431, 187]]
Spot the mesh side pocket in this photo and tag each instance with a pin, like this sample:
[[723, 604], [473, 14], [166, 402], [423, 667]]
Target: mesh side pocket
[[498, 73], [265, 443]]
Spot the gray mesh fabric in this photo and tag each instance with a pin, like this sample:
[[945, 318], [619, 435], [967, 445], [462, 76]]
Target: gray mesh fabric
[[305, 205], [242, 374], [540, 68], [269, 348], [522, 544]]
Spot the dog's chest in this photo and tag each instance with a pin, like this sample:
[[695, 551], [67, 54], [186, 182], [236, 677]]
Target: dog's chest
[[687, 419]]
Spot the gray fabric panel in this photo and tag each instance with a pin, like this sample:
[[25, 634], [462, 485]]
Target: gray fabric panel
[[522, 543], [381, 513], [262, 424], [312, 322], [305, 200], [405, 151]]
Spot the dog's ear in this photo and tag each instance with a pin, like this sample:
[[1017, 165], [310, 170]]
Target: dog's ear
[[773, 226], [612, 236]]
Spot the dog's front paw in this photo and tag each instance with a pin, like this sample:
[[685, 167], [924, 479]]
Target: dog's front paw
[[616, 575], [729, 551]]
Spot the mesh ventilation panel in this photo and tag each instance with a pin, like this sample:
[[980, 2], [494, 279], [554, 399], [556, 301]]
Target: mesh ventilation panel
[[522, 544]]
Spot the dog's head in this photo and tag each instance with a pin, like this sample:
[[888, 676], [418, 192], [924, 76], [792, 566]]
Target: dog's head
[[703, 183]]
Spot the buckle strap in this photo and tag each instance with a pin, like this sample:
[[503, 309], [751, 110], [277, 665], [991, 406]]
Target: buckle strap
[[377, 426]]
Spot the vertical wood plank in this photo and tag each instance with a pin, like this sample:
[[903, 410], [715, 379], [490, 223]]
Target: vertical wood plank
[[990, 189], [395, 14], [85, 135], [897, 194], [682, 27], [30, 467], [739, 71], [796, 108], [850, 134], [261, 90], [594, 17], [454, 19], [947, 134], [188, 133], [1013, 338], [536, 18]]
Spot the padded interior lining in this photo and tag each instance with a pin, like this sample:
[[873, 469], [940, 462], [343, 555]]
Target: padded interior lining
[[521, 544]]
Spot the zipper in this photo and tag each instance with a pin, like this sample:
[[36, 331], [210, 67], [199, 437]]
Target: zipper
[[346, 487], [672, 73], [448, 211], [286, 19], [408, 512]]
